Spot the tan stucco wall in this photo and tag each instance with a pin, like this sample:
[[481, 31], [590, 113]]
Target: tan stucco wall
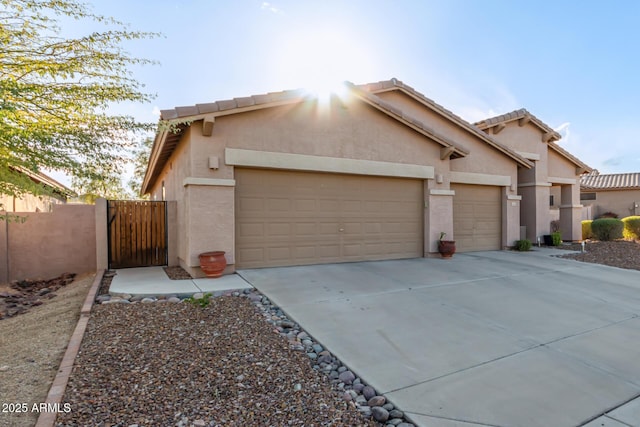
[[353, 130], [621, 202], [350, 129], [28, 203], [559, 166], [173, 174], [49, 244]]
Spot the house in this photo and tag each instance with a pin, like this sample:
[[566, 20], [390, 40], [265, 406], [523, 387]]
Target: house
[[377, 172], [616, 193], [59, 194]]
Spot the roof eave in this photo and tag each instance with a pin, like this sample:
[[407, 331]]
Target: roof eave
[[412, 93]]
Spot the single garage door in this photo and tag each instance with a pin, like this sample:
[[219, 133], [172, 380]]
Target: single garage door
[[297, 218], [477, 217]]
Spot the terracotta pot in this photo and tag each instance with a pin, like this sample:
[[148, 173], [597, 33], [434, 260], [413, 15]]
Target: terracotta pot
[[447, 248], [213, 263]]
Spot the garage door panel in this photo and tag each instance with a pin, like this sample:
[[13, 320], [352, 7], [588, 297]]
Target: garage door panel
[[380, 218], [251, 229], [477, 217], [251, 204]]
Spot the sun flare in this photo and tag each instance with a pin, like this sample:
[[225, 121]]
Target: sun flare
[[322, 60]]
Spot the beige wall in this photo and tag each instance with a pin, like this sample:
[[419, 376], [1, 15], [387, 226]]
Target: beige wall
[[621, 202], [49, 244], [28, 203], [173, 175], [350, 129]]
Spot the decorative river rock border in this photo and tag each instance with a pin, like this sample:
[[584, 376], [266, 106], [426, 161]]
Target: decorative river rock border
[[353, 390]]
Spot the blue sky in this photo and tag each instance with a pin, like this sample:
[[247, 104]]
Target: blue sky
[[573, 64]]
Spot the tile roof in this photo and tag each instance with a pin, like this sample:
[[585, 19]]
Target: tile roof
[[166, 141], [618, 181], [234, 104], [46, 180], [555, 136], [395, 84], [517, 115]]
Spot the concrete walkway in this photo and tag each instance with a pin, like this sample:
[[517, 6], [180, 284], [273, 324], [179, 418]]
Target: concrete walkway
[[148, 281], [483, 339]]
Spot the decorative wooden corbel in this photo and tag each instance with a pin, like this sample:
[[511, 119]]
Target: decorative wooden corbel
[[524, 120], [498, 128], [446, 152], [547, 137], [207, 126]]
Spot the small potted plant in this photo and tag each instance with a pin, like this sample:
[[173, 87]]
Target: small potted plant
[[446, 247]]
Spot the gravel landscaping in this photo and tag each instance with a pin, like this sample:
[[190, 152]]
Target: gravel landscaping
[[236, 361], [618, 253]]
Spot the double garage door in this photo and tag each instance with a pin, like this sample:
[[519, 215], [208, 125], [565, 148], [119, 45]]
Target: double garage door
[[297, 218]]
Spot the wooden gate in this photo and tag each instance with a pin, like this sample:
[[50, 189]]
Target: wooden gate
[[137, 233]]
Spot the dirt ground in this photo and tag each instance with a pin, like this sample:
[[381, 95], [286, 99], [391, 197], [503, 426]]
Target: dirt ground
[[31, 348]]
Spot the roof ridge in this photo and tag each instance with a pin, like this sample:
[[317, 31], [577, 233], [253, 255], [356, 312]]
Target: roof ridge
[[233, 103]]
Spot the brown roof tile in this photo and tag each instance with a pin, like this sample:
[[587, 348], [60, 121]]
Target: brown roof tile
[[210, 107], [618, 181], [227, 104], [247, 101], [168, 114], [191, 110], [516, 115]]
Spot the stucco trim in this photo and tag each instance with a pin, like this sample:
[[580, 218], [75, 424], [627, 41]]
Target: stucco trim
[[304, 162], [209, 181], [559, 180], [529, 156], [570, 206], [480, 179], [535, 184], [513, 197], [435, 192]]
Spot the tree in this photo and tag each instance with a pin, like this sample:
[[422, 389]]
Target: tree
[[55, 93], [140, 161]]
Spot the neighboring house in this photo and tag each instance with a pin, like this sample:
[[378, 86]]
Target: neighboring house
[[377, 173], [617, 193], [34, 203]]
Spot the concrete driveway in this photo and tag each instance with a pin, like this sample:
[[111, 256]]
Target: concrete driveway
[[488, 339]]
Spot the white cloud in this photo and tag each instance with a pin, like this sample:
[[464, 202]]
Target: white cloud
[[156, 111], [270, 7], [564, 131]]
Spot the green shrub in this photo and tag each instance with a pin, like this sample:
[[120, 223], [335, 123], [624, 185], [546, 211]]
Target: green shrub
[[523, 245], [607, 229], [557, 238], [587, 233], [631, 227]]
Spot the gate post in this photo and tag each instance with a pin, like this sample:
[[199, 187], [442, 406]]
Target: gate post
[[102, 243]]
